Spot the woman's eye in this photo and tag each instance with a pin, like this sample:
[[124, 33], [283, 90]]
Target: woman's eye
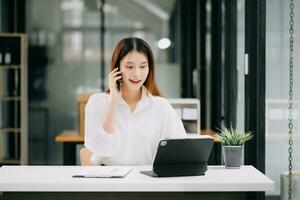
[[129, 67], [143, 67]]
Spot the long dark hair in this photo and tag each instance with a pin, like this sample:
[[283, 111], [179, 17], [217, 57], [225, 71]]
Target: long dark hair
[[130, 44]]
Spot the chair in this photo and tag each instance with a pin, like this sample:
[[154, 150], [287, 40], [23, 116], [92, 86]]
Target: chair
[[82, 100], [85, 155]]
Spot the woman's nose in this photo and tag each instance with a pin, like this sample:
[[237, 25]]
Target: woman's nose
[[137, 72]]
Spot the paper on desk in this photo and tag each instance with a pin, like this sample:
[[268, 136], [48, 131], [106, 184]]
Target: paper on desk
[[103, 172]]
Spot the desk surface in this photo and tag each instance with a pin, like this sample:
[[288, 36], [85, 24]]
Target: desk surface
[[59, 178], [74, 136], [69, 136]]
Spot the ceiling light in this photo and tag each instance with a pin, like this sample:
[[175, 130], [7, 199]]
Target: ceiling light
[[164, 43]]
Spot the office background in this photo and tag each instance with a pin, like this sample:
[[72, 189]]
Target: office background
[[71, 41]]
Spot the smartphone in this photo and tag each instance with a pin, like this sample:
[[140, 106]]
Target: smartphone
[[119, 81]]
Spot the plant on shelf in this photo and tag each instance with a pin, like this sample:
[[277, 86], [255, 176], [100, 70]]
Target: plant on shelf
[[233, 142]]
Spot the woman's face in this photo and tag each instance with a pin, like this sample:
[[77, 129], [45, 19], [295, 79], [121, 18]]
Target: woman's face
[[135, 69]]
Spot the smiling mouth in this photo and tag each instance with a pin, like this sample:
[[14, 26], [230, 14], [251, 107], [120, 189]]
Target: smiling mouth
[[135, 82]]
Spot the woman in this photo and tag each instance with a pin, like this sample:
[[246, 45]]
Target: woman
[[124, 125]]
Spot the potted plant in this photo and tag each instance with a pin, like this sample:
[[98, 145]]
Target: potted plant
[[233, 143]]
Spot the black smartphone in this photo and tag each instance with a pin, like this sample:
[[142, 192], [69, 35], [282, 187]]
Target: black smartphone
[[119, 81]]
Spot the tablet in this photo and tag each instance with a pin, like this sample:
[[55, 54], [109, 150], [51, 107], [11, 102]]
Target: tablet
[[181, 157]]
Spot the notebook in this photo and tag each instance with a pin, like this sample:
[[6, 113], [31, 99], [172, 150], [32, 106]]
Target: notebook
[[103, 172], [181, 157]]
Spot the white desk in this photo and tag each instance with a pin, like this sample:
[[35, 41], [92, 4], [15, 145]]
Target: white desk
[[58, 179]]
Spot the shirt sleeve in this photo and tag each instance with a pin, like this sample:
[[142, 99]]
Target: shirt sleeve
[[97, 140], [172, 126]]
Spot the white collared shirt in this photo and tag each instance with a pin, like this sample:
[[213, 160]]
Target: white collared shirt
[[137, 133]]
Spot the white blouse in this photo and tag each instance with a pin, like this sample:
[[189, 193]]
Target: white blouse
[[137, 133]]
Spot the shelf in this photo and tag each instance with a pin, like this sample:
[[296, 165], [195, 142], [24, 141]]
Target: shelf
[[189, 120], [188, 110], [8, 98], [184, 101], [10, 130], [14, 97], [10, 67], [9, 162]]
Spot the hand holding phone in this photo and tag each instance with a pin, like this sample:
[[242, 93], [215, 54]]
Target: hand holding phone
[[114, 81], [119, 81]]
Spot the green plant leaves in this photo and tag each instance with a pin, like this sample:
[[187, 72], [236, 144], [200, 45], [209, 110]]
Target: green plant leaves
[[233, 137]]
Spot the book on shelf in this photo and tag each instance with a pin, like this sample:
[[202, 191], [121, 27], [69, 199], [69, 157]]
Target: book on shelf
[[10, 50], [10, 82]]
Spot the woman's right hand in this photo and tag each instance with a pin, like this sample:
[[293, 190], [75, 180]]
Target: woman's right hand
[[109, 118], [113, 76]]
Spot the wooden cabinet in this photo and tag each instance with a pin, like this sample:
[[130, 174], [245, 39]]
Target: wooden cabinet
[[13, 99]]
